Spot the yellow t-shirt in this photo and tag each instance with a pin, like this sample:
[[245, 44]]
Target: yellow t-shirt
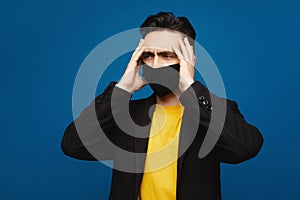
[[160, 174]]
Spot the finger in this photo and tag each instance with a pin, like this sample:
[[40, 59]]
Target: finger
[[184, 50], [140, 45], [136, 56], [190, 50], [182, 61], [133, 63], [187, 50], [139, 77], [134, 70], [178, 52], [138, 51]]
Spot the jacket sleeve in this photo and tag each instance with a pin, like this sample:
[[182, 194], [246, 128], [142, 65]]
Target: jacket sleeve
[[238, 140], [89, 136]]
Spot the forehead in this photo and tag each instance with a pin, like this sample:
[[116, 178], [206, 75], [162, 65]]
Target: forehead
[[164, 40]]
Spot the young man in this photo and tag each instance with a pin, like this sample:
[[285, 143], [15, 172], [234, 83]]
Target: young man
[[169, 126]]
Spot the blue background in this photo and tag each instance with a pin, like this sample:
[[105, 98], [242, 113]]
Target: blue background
[[255, 45]]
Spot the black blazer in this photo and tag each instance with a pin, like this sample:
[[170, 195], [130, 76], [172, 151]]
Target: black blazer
[[197, 178]]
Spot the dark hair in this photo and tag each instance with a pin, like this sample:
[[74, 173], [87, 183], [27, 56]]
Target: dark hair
[[168, 20]]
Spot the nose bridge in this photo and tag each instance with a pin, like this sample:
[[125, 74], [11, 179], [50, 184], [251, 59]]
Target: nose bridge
[[156, 59]]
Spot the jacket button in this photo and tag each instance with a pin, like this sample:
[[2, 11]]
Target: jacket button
[[205, 102], [201, 98]]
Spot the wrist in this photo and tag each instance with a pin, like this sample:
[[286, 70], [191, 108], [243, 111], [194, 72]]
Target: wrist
[[186, 84], [124, 87]]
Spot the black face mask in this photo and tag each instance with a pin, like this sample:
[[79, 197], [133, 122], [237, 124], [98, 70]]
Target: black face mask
[[162, 80]]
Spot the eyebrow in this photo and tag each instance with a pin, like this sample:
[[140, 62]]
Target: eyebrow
[[147, 53], [159, 53], [166, 53]]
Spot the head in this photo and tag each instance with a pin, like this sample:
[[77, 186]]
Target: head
[[160, 33]]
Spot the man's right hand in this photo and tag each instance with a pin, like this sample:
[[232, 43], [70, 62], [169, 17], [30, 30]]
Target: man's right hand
[[131, 80]]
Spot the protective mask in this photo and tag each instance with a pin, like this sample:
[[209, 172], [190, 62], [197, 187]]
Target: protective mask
[[162, 80]]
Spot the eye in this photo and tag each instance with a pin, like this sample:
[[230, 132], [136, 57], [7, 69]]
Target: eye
[[147, 56], [169, 56]]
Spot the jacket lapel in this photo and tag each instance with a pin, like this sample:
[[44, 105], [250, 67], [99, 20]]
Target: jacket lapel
[[142, 113]]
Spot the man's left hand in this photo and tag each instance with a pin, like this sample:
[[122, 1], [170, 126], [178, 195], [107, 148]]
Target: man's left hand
[[185, 53]]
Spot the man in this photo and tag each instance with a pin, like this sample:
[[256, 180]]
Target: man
[[178, 115]]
